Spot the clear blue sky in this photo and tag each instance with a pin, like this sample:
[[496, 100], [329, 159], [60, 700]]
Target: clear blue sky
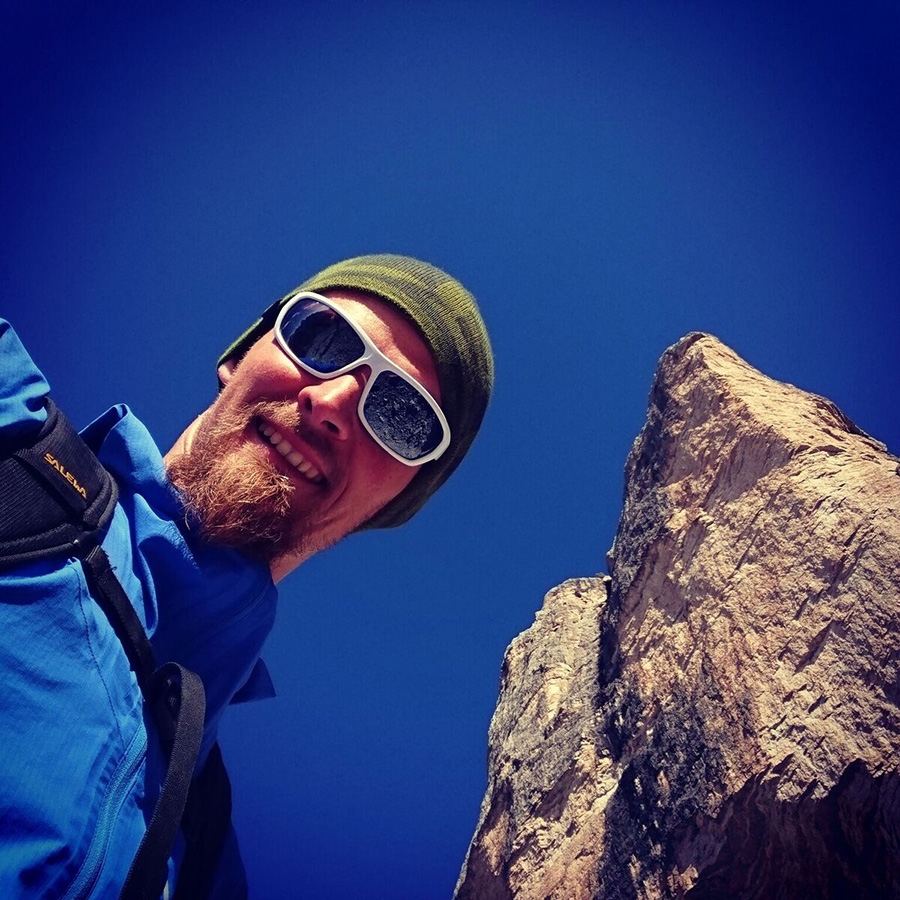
[[605, 177]]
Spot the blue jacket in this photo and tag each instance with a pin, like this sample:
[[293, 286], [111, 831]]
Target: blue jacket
[[80, 765]]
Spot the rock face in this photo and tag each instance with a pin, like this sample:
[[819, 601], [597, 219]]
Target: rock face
[[720, 718]]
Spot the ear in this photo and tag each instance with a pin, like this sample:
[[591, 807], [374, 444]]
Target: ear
[[226, 370]]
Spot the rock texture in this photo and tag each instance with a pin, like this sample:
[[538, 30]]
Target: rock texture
[[719, 719]]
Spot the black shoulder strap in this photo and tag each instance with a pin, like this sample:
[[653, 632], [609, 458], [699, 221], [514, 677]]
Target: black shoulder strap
[[178, 698], [206, 822], [56, 499], [55, 496]]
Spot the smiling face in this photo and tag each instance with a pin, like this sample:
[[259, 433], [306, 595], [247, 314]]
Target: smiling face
[[280, 465]]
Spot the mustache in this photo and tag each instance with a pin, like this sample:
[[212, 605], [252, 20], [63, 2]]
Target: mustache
[[286, 417]]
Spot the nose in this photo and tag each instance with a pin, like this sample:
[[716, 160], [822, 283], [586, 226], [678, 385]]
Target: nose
[[330, 404]]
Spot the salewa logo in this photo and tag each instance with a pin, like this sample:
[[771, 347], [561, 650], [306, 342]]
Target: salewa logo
[[50, 458]]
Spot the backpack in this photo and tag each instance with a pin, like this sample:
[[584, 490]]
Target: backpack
[[56, 500]]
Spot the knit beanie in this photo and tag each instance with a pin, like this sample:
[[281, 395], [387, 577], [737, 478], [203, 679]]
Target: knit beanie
[[447, 317]]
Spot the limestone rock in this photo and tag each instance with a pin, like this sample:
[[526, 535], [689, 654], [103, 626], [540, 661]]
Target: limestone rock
[[719, 719]]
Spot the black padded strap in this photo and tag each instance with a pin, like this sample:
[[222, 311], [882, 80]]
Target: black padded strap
[[55, 496], [179, 699]]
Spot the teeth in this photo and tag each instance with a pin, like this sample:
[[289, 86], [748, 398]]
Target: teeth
[[294, 457]]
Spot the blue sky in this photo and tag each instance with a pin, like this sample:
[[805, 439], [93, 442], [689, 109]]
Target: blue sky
[[604, 177]]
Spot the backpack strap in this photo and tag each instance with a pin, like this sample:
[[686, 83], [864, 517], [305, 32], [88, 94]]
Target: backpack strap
[[180, 692], [55, 496], [206, 822], [177, 701], [112, 599], [56, 500]]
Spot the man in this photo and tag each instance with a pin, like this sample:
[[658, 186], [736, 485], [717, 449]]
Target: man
[[344, 407]]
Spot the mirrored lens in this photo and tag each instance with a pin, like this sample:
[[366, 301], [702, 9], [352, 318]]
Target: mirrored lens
[[320, 337], [401, 417]]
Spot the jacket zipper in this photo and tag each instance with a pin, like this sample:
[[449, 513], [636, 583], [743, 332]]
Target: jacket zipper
[[85, 880]]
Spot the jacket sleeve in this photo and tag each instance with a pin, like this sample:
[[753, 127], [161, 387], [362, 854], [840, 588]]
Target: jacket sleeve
[[23, 389]]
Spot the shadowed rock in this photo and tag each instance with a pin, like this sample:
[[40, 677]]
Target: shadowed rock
[[720, 718]]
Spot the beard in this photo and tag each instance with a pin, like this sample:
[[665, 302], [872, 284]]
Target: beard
[[233, 493]]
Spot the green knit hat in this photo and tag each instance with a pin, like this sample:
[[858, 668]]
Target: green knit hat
[[448, 318]]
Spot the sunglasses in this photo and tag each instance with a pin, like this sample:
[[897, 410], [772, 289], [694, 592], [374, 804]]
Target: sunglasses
[[402, 417]]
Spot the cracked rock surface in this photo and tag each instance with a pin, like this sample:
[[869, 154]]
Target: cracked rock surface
[[721, 717]]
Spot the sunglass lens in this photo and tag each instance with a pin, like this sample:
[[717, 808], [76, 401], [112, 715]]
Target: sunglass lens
[[320, 337], [402, 417]]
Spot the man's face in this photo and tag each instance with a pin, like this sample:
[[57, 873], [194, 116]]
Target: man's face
[[281, 465]]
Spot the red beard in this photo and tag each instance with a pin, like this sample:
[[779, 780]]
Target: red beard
[[233, 492]]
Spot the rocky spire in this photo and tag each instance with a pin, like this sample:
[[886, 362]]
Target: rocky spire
[[719, 719]]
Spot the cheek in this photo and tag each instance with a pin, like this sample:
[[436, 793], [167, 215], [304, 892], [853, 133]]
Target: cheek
[[390, 476], [404, 478], [264, 370]]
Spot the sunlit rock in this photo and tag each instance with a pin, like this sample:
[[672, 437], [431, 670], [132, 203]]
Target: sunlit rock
[[720, 718]]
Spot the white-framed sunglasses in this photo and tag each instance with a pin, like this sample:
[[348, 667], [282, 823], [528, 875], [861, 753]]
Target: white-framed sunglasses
[[399, 413]]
